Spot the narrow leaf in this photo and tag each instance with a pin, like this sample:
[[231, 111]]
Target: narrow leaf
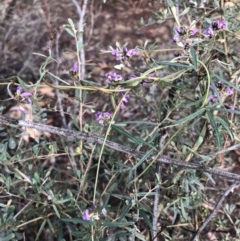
[[194, 57]]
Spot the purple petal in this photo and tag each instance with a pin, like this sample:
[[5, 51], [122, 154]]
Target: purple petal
[[26, 94], [20, 88], [85, 215], [75, 67], [98, 115]]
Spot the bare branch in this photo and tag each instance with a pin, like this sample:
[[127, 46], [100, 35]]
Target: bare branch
[[214, 212], [90, 138]]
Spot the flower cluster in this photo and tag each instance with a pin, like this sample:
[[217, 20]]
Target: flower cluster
[[113, 77], [25, 95], [102, 117], [90, 213], [213, 97], [209, 32], [120, 54], [183, 36]]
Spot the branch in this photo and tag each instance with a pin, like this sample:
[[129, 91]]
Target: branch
[[214, 212], [90, 138]]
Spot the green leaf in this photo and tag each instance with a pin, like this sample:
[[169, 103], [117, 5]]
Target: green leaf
[[76, 220], [117, 224], [225, 126], [176, 64], [190, 117], [194, 57], [131, 137], [209, 177], [36, 176], [215, 129], [70, 22], [184, 214], [186, 10], [56, 77], [125, 209], [50, 225], [12, 143], [56, 210], [9, 237], [170, 3], [146, 218], [8, 183], [69, 31], [41, 229]]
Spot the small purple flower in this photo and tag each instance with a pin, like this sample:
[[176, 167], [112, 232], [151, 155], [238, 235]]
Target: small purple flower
[[26, 94], [211, 87], [85, 215], [22, 110], [104, 212], [132, 76], [175, 38], [211, 98], [176, 54], [20, 91], [20, 88], [115, 53], [107, 115], [113, 77], [124, 99], [229, 91], [131, 52], [232, 107], [75, 67], [222, 24], [181, 30], [209, 32], [102, 117], [194, 31]]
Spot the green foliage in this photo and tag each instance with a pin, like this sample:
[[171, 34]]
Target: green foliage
[[186, 107]]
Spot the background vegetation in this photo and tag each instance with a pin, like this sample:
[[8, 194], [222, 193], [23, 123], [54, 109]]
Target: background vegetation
[[159, 77]]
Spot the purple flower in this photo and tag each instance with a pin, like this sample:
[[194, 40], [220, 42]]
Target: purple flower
[[21, 109], [222, 24], [194, 31], [125, 98], [107, 115], [132, 76], [113, 77], [102, 117], [211, 98], [209, 32], [20, 91], [20, 88], [115, 53], [229, 91], [176, 54], [181, 30], [26, 94], [75, 67], [232, 107], [131, 52], [85, 215], [104, 212], [175, 38]]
